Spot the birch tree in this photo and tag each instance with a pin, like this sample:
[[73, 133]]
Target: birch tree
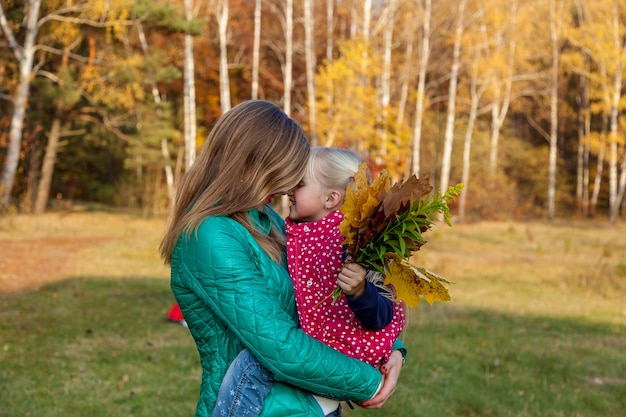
[[452, 92], [96, 15], [256, 49], [24, 55], [189, 93], [616, 186], [309, 48], [503, 53], [478, 82], [386, 21], [554, 95], [221, 15], [605, 45], [421, 87]]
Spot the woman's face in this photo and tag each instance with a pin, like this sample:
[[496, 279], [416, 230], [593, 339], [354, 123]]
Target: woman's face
[[307, 201]]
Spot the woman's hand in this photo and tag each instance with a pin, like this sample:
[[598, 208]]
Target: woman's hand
[[351, 279], [391, 373]]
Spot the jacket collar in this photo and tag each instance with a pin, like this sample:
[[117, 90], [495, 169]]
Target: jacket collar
[[260, 220]]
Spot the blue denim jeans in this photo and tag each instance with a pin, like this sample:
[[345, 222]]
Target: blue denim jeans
[[244, 388]]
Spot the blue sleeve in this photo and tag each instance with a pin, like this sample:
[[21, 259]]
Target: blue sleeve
[[374, 311]]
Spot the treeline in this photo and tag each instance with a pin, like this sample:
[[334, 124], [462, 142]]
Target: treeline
[[522, 101]]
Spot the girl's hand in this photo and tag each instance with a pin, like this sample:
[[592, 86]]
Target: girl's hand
[[391, 373], [351, 279]]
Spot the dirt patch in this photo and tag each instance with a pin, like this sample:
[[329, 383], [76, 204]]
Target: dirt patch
[[31, 263]]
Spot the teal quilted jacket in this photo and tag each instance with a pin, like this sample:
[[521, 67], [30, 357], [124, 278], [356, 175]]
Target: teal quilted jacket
[[233, 296]]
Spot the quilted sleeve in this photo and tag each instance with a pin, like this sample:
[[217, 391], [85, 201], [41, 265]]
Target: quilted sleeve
[[228, 280]]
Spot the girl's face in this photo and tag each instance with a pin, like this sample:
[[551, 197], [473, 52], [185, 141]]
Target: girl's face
[[307, 201]]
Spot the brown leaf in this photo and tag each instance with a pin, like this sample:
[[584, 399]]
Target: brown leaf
[[401, 194]]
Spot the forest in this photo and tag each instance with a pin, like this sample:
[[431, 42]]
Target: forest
[[522, 101]]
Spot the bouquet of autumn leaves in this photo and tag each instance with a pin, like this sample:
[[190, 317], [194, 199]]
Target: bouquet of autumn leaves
[[384, 224]]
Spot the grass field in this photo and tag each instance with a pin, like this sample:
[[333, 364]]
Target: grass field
[[536, 327]]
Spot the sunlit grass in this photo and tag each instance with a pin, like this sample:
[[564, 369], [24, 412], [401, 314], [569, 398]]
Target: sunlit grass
[[536, 326]]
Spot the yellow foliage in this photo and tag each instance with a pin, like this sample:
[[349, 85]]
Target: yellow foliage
[[384, 223], [410, 282]]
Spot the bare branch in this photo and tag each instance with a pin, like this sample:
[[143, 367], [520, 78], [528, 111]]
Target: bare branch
[[82, 21], [538, 128], [59, 52], [108, 126], [15, 47], [6, 97]]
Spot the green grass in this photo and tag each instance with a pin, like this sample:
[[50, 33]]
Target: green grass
[[95, 347], [536, 327]]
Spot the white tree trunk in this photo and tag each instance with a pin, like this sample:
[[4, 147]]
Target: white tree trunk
[[330, 28], [452, 90], [502, 98], [189, 93], [421, 89], [475, 96], [619, 44], [385, 86], [554, 84], [599, 168], [288, 73], [221, 13], [309, 48], [256, 49], [582, 160], [24, 56], [498, 114]]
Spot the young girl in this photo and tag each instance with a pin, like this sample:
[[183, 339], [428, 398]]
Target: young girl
[[363, 323]]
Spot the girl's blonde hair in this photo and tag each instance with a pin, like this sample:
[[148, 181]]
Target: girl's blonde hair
[[333, 168], [253, 151]]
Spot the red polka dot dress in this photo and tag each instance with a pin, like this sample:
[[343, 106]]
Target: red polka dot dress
[[314, 255]]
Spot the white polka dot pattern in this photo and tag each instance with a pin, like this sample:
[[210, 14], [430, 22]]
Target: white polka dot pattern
[[314, 255]]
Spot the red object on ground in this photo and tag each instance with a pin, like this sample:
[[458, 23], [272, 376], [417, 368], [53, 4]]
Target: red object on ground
[[175, 314]]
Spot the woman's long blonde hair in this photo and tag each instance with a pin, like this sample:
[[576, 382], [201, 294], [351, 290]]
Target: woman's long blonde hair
[[253, 151]]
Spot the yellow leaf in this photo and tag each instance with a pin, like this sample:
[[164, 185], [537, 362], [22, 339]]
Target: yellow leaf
[[411, 282]]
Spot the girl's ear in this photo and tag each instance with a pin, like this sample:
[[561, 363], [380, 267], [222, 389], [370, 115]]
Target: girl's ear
[[333, 200]]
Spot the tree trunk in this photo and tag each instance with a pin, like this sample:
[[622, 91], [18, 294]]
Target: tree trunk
[[255, 50], [553, 111], [189, 93], [582, 161], [288, 73], [222, 23], [386, 74], [47, 169], [330, 28], [619, 45], [421, 89], [599, 167], [450, 117], [24, 57], [475, 96], [309, 48]]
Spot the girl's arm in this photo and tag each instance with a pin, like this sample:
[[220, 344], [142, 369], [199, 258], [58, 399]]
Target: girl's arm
[[373, 310]]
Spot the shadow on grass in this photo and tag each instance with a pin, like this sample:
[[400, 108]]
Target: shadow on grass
[[103, 347]]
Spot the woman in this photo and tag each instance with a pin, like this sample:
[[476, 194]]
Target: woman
[[226, 247]]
